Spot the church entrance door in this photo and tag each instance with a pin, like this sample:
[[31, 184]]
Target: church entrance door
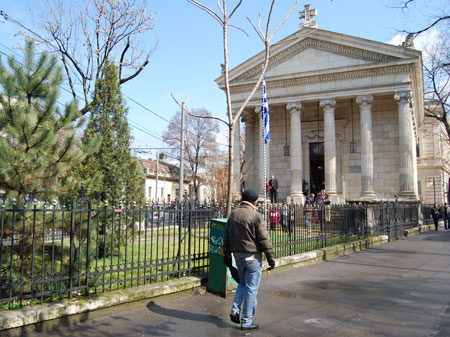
[[316, 167]]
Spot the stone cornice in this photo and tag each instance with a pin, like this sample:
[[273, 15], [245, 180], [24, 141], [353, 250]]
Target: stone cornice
[[317, 94], [338, 76], [318, 44]]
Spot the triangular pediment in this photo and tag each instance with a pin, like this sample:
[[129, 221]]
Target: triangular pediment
[[311, 55], [317, 52]]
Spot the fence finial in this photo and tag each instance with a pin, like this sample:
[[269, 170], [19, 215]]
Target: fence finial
[[82, 191]]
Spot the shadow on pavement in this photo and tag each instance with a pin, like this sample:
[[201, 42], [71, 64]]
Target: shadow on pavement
[[186, 315]]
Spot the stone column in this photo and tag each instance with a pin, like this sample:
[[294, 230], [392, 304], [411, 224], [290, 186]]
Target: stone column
[[250, 169], [296, 191], [330, 148], [237, 161], [407, 146], [367, 190], [261, 184]]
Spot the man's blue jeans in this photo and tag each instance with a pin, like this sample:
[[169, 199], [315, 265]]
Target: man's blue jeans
[[249, 275]]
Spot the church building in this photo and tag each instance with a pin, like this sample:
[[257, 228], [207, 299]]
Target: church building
[[345, 113]]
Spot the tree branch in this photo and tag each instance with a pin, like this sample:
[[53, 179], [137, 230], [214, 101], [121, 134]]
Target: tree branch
[[198, 116], [208, 10]]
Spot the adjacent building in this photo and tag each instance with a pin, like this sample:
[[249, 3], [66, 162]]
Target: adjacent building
[[162, 182]]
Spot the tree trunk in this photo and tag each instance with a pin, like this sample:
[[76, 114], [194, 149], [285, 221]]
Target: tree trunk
[[230, 169]]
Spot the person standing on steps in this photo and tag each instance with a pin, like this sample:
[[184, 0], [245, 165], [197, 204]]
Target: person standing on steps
[[268, 188], [273, 183], [247, 238]]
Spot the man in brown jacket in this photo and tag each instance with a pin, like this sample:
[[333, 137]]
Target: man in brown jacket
[[247, 238]]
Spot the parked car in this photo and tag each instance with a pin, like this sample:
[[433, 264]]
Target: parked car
[[161, 216]]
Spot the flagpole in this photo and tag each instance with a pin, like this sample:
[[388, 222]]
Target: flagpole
[[265, 174], [265, 139]]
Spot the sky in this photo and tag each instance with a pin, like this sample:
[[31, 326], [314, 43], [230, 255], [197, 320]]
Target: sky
[[189, 52]]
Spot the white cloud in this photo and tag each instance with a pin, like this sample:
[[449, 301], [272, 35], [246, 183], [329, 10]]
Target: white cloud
[[397, 39], [428, 39]]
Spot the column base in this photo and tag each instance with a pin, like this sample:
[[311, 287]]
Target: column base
[[367, 196], [261, 197], [408, 196], [297, 197]]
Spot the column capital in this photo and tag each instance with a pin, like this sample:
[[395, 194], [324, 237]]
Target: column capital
[[248, 118], [330, 102], [294, 107], [403, 96], [364, 99]]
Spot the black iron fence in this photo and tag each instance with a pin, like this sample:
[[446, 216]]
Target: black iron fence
[[48, 252], [296, 229]]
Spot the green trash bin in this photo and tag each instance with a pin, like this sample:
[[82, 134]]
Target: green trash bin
[[220, 281]]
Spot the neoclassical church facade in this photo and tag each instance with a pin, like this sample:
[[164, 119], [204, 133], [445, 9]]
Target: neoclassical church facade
[[345, 113]]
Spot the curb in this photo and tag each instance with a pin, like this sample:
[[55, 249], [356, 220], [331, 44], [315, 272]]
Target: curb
[[326, 253], [43, 312]]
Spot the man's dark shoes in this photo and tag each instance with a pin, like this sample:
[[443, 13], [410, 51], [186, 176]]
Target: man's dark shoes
[[234, 316], [250, 327]]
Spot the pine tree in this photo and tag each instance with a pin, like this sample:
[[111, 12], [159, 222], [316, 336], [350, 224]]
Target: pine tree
[[37, 140], [116, 176]]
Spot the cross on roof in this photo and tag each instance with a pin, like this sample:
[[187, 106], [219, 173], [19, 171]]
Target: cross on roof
[[307, 14]]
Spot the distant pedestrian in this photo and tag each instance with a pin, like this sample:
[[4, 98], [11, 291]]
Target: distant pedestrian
[[445, 215], [247, 238], [274, 217], [307, 210], [285, 223], [311, 198], [327, 210], [273, 182], [435, 214]]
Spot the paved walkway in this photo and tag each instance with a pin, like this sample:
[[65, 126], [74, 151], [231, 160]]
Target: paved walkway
[[398, 289]]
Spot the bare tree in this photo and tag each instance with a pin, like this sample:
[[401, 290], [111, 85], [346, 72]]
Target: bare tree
[[440, 17], [436, 67], [223, 17], [216, 176], [437, 82], [200, 142], [85, 34]]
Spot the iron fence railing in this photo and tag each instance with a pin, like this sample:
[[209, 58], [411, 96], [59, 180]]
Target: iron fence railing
[[296, 229], [48, 252]]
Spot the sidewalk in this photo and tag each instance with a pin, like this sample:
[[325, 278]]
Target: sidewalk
[[401, 288]]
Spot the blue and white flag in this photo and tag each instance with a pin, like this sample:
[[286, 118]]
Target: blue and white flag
[[265, 114]]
